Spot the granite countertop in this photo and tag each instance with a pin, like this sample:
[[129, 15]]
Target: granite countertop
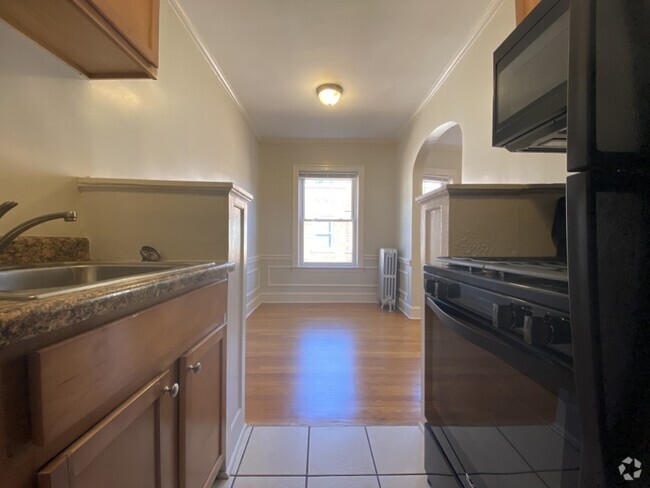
[[21, 321]]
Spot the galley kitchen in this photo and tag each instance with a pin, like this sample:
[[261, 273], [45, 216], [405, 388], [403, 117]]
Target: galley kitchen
[[363, 244]]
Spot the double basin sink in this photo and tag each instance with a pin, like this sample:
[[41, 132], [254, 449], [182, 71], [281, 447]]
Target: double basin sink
[[50, 280]]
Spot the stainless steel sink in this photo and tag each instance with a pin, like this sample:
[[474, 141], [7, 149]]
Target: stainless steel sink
[[48, 280]]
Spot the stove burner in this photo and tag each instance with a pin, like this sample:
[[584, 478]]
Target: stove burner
[[536, 267]]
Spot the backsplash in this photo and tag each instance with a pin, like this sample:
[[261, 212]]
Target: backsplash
[[28, 250]]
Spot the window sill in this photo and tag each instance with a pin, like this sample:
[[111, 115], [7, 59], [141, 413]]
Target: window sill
[[350, 267]]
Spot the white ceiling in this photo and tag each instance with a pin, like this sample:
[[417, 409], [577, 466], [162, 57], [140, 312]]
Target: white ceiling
[[387, 55]]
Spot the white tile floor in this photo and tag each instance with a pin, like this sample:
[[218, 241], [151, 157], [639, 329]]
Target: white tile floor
[[334, 457]]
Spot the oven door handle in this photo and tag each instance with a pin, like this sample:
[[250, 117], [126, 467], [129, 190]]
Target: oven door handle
[[543, 368]]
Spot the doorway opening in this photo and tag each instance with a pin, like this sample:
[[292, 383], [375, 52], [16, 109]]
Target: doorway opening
[[438, 163]]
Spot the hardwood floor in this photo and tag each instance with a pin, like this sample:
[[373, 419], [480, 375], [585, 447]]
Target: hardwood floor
[[320, 364]]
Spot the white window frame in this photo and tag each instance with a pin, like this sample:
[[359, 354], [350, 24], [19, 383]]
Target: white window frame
[[436, 173], [357, 221]]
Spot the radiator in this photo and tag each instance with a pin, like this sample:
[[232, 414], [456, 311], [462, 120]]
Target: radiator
[[387, 289]]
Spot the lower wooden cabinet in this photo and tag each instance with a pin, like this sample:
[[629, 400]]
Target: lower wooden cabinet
[[133, 447], [142, 445], [202, 411], [165, 435]]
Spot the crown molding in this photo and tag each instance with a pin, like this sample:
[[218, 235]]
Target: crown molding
[[289, 140], [478, 29], [163, 186], [187, 23]]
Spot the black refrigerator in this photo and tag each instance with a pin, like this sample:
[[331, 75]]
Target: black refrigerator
[[608, 223]]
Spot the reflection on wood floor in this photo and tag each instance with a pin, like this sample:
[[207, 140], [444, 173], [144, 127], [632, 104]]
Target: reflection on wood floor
[[321, 364]]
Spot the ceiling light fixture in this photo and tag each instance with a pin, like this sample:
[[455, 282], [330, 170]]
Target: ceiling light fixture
[[329, 93]]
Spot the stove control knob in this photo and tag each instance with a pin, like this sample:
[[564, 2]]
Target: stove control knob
[[509, 316], [503, 316], [547, 330], [443, 291], [430, 286]]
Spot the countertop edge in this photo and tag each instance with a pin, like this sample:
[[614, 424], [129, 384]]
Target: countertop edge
[[22, 322]]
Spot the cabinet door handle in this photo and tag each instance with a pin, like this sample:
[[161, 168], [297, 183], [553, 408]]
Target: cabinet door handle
[[196, 368], [173, 391]]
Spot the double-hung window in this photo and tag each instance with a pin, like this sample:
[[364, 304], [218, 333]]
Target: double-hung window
[[433, 182], [434, 179], [328, 217]]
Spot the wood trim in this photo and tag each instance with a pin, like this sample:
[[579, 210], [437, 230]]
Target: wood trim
[[164, 186]]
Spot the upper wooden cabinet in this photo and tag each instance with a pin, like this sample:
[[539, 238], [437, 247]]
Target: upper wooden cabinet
[[523, 8], [99, 38]]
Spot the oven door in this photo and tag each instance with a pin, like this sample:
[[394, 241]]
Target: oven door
[[502, 416]]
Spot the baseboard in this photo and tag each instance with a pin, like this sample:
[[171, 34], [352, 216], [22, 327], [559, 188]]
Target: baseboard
[[317, 297], [324, 297], [413, 313], [252, 304], [238, 453]]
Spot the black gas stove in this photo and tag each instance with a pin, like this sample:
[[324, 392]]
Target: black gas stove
[[499, 371], [524, 298], [542, 280]]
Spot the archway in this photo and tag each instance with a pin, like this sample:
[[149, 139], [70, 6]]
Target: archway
[[439, 161]]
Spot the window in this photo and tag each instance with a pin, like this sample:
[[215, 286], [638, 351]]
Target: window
[[430, 183], [328, 231], [434, 179]]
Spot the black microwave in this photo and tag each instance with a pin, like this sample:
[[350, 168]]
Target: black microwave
[[530, 82]]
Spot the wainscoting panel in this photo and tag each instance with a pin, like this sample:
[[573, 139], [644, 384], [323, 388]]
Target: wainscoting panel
[[405, 292], [252, 285], [275, 279]]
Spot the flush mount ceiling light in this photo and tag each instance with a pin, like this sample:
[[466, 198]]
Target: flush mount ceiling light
[[329, 93]]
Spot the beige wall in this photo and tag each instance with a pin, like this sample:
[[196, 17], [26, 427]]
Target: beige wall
[[55, 126], [278, 280], [465, 98], [445, 157]]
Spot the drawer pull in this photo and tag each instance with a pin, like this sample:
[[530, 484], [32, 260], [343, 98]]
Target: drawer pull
[[173, 391], [196, 368]]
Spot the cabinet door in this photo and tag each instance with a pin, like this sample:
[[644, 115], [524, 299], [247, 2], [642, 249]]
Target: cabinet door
[[133, 447], [136, 20], [203, 410]]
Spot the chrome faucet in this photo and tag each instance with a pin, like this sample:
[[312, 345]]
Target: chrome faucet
[[9, 237], [6, 206]]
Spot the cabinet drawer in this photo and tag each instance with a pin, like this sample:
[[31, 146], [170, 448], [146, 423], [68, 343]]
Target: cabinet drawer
[[76, 382]]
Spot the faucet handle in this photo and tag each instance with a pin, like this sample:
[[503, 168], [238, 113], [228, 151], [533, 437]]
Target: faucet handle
[[6, 206], [150, 254]]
